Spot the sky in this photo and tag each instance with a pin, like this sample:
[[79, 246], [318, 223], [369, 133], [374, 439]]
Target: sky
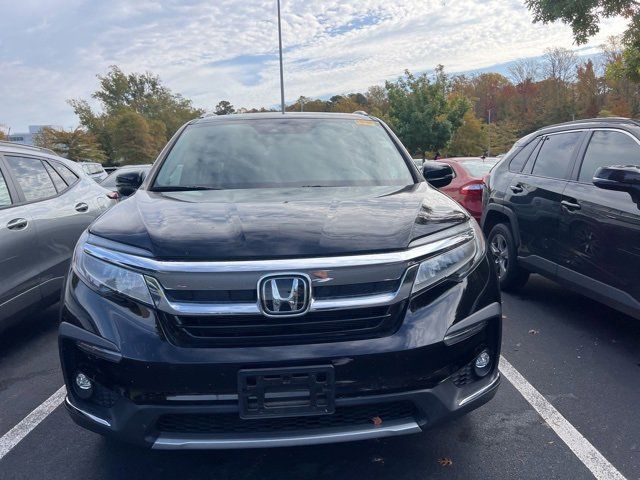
[[52, 50]]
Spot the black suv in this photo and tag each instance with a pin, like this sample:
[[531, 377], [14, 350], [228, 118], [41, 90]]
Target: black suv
[[565, 203], [279, 280]]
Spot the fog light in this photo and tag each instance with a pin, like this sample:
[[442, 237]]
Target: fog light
[[482, 365], [83, 385]]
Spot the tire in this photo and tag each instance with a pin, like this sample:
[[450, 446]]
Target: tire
[[505, 254]]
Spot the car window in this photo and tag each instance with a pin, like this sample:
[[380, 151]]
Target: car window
[[5, 197], [478, 168], [608, 148], [32, 176], [276, 153], [110, 181], [555, 155], [520, 158], [59, 183], [66, 173]]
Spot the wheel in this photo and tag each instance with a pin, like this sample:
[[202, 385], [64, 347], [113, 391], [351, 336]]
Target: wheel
[[505, 254]]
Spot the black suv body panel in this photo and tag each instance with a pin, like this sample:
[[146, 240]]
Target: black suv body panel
[[570, 230]]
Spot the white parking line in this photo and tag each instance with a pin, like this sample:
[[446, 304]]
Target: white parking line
[[31, 421], [580, 446]]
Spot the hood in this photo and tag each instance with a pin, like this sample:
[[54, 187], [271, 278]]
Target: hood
[[277, 223]]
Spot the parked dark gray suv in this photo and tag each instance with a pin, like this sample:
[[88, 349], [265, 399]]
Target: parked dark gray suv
[[279, 280], [45, 204]]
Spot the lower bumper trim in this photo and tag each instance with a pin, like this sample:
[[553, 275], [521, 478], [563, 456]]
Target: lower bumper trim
[[329, 435], [494, 384], [88, 415]]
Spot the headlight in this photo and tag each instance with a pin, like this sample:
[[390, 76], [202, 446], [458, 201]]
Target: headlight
[[103, 275], [455, 262]]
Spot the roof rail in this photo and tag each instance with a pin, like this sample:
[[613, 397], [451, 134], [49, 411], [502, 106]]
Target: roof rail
[[361, 112], [600, 120], [30, 147]]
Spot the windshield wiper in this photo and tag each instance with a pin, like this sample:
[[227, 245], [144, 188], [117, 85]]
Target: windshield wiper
[[182, 188]]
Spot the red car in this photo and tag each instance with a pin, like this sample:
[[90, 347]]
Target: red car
[[467, 183]]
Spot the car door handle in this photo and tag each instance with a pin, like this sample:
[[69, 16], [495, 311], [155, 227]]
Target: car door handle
[[17, 224], [82, 207], [516, 188], [570, 205]]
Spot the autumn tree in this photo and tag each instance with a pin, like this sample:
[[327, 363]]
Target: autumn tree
[[77, 144], [422, 113], [470, 139], [588, 88], [135, 141]]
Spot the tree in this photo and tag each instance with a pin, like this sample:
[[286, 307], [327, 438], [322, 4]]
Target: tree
[[143, 94], [588, 91], [224, 107], [377, 100], [560, 64], [470, 139], [524, 71], [422, 114], [585, 16], [133, 138], [77, 144]]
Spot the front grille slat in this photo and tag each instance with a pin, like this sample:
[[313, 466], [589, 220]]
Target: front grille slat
[[320, 292], [255, 330]]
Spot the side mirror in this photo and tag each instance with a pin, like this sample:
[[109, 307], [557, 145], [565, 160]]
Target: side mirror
[[622, 178], [128, 183], [437, 174]]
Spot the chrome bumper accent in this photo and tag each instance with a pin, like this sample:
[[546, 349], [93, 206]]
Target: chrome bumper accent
[[194, 308], [482, 391], [332, 435], [90, 416]]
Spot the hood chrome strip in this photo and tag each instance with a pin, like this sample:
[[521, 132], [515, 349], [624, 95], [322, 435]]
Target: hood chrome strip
[[455, 236]]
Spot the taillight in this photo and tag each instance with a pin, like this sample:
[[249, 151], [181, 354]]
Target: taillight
[[113, 195], [473, 189]]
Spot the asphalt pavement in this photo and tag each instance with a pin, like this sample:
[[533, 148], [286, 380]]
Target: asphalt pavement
[[582, 357]]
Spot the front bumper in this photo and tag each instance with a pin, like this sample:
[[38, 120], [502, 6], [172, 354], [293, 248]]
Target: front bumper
[[142, 379]]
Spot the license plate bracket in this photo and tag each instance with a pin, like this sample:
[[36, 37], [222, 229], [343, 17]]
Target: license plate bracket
[[286, 392]]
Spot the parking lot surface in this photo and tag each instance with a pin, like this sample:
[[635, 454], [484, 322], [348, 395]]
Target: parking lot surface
[[583, 357]]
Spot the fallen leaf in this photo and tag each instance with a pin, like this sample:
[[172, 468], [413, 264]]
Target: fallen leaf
[[377, 421], [445, 462], [534, 332]]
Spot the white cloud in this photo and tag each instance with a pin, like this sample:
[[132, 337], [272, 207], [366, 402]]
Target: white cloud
[[227, 49]]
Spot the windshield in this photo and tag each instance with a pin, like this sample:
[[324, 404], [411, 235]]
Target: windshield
[[284, 152]]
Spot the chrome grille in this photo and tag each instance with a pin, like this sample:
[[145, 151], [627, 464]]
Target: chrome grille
[[256, 330]]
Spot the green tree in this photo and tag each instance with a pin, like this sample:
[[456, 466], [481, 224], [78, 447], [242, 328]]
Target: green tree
[[142, 94], [585, 16], [224, 107], [422, 113], [77, 144]]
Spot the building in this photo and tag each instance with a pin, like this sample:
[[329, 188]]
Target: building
[[27, 138]]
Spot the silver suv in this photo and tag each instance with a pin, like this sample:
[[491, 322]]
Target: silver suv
[[46, 202]]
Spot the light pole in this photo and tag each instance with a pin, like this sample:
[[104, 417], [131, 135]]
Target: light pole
[[281, 69], [489, 135]]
